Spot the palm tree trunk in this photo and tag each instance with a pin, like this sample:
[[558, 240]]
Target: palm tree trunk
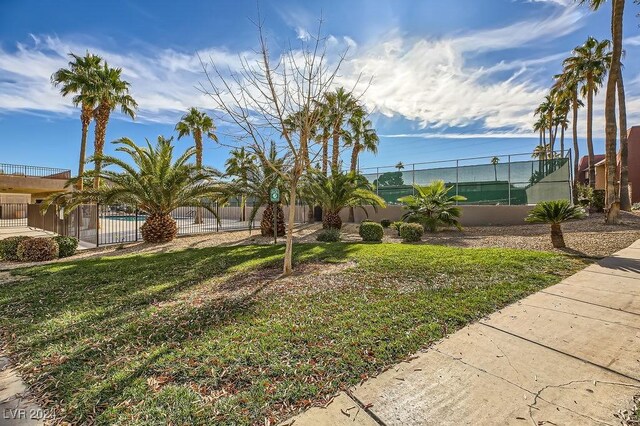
[[557, 239], [288, 251], [625, 196], [611, 125], [325, 153], [592, 168], [354, 165], [576, 147], [197, 137], [102, 119], [85, 117], [562, 141], [336, 148]]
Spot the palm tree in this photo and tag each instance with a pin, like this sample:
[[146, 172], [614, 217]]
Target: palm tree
[[151, 181], [340, 190], [554, 213], [495, 161], [339, 107], [261, 176], [614, 82], [625, 196], [589, 62], [546, 109], [79, 79], [361, 137], [110, 92], [198, 124], [399, 166], [566, 86], [239, 165], [432, 206]]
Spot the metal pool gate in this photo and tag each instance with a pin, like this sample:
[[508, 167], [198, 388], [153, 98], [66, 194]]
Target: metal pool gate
[[13, 215]]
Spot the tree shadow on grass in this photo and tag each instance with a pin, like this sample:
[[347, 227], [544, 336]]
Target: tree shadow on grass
[[78, 317]]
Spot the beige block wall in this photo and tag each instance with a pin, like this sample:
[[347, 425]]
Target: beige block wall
[[7, 198], [471, 215]]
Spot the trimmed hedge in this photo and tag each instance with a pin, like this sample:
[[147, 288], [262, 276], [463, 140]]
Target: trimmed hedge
[[371, 231], [67, 245], [411, 232], [9, 247], [330, 235], [385, 223], [38, 250]]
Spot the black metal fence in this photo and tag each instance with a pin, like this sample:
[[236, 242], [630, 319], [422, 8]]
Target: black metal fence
[[97, 225], [13, 214], [34, 171]]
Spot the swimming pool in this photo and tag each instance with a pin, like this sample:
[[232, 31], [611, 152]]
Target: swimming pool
[[124, 218]]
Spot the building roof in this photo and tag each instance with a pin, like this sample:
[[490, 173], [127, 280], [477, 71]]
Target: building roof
[[583, 165]]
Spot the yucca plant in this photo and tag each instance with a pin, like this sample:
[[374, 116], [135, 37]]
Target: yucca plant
[[432, 206], [554, 213], [154, 183], [337, 191]]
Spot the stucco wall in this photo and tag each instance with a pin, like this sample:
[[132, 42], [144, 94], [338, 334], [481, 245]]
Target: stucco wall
[[471, 215]]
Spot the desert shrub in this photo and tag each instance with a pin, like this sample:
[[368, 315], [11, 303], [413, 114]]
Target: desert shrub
[[67, 245], [635, 206], [329, 235], [371, 231], [597, 200], [37, 250], [385, 223], [397, 225], [411, 232], [9, 247], [367, 221]]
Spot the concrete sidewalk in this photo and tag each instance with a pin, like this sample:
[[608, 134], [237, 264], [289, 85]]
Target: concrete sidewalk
[[569, 354]]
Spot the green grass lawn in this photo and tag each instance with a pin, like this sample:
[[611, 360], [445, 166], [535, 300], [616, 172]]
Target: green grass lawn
[[197, 337]]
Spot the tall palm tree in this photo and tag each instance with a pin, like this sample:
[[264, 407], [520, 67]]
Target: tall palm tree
[[79, 79], [567, 86], [152, 181], [495, 161], [546, 109], [361, 137], [340, 104], [614, 83], [590, 63], [625, 196], [197, 124], [111, 91], [239, 165]]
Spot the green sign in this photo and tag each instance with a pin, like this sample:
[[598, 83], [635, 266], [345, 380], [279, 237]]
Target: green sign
[[274, 195]]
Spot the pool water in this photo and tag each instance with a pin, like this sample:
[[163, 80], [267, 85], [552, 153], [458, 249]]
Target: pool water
[[124, 218]]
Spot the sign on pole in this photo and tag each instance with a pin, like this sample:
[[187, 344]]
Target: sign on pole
[[274, 195]]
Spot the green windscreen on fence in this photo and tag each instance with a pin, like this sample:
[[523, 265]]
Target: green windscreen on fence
[[499, 181]]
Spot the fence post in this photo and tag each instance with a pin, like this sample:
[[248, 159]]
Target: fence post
[[217, 218], [509, 178], [413, 178], [97, 225], [457, 178], [136, 213]]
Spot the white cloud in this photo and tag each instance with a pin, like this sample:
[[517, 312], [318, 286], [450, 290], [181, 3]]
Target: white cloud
[[486, 135]]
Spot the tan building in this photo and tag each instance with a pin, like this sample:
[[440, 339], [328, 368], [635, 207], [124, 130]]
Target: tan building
[[30, 184], [633, 163]]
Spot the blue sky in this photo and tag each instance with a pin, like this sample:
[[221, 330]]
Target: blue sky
[[450, 79]]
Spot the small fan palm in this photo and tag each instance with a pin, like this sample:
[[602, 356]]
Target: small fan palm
[[155, 183], [432, 206], [337, 191], [554, 213]]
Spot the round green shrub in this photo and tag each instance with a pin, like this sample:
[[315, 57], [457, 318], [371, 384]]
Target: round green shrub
[[367, 221], [330, 235], [411, 232], [67, 245], [385, 223], [371, 231], [37, 250], [9, 247], [597, 201]]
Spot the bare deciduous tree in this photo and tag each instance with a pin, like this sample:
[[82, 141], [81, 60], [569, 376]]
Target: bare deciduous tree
[[276, 98]]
